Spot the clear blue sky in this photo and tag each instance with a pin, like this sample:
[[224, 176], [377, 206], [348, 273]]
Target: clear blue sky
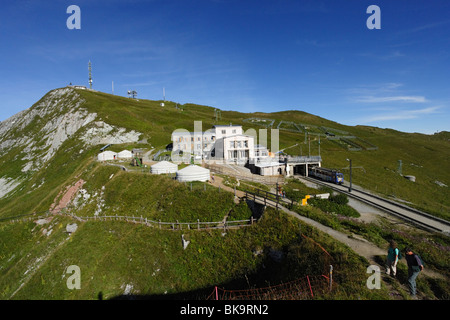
[[245, 55]]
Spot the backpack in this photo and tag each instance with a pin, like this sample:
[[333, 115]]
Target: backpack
[[400, 254], [420, 258]]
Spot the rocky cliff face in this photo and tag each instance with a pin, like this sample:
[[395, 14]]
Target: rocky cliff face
[[36, 134]]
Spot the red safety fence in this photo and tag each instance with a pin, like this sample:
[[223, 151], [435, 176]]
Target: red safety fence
[[300, 289]]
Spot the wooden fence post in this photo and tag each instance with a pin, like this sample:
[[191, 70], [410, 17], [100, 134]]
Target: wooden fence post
[[331, 276], [309, 283]]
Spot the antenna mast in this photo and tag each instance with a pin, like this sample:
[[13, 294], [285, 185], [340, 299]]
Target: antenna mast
[[90, 75]]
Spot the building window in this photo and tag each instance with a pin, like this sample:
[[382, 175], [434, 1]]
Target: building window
[[224, 131], [246, 143], [234, 130]]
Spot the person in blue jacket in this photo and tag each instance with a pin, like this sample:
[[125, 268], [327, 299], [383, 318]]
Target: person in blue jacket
[[392, 258], [415, 266]]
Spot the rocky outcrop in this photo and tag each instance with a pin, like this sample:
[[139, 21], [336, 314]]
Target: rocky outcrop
[[39, 131]]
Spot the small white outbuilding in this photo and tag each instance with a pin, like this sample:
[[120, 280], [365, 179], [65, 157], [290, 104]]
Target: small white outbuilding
[[193, 173], [163, 167], [125, 154], [107, 155]]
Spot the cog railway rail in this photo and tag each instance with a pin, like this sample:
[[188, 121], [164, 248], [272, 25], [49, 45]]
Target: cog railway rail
[[411, 215]]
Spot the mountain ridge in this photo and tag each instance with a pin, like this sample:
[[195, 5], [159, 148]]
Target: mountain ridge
[[81, 120], [49, 167]]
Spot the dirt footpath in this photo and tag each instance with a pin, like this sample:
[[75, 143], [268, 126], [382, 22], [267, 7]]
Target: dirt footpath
[[69, 193], [359, 245]]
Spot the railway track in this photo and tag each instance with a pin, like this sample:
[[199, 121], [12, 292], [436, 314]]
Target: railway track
[[411, 215]]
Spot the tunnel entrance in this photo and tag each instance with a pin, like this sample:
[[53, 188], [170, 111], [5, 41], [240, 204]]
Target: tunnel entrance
[[300, 169]]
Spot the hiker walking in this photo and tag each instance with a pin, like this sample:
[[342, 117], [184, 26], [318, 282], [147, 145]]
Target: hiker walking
[[392, 258], [415, 265]]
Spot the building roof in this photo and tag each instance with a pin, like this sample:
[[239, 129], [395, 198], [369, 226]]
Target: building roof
[[184, 133], [238, 135], [269, 164], [193, 173], [108, 152], [164, 164], [125, 154], [226, 125]]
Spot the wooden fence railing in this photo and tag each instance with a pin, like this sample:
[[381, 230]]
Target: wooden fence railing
[[196, 225], [270, 199]]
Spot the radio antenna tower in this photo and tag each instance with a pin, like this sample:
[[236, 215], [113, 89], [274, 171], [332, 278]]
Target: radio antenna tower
[[90, 75]]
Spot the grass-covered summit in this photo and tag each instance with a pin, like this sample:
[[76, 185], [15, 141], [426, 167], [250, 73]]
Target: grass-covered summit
[[50, 147]]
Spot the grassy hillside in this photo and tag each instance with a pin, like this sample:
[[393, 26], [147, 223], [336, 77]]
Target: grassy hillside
[[150, 196], [424, 156], [116, 257]]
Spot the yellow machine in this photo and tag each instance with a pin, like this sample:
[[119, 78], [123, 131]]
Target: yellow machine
[[305, 200]]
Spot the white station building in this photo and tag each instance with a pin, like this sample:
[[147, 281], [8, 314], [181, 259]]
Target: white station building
[[225, 143]]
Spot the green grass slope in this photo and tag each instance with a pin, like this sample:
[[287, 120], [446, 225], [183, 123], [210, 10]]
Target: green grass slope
[[424, 156], [116, 257]]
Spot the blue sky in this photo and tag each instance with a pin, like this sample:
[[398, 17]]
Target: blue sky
[[245, 55]]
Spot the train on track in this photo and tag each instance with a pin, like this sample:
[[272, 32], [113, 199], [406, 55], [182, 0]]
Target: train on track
[[325, 174]]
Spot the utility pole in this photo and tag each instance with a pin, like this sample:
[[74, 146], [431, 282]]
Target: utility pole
[[350, 187], [319, 145], [309, 146], [90, 74]]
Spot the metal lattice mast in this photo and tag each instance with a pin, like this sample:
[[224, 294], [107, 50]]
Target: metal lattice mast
[[90, 75]]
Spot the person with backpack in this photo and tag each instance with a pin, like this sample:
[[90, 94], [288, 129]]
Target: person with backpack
[[392, 258], [415, 266]]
